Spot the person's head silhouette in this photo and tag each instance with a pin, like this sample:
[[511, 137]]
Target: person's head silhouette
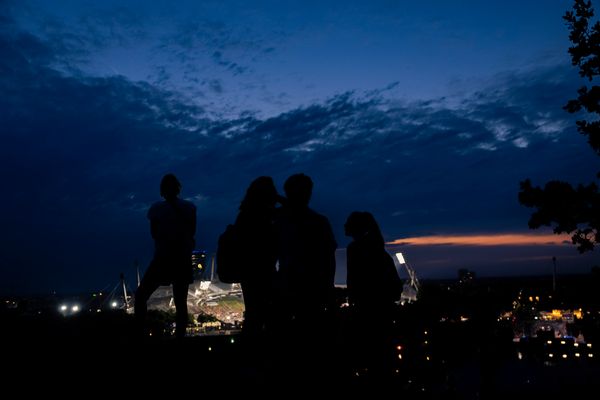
[[260, 194], [298, 190], [355, 225], [170, 187], [362, 224]]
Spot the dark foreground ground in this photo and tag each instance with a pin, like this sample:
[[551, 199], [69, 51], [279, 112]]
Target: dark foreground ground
[[100, 356], [451, 342]]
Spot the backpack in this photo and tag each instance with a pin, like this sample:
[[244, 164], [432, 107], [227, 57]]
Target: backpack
[[229, 256]]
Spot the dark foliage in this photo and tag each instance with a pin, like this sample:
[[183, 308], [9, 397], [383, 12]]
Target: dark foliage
[[569, 209]]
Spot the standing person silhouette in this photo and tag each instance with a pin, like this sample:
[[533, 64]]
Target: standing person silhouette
[[255, 226], [173, 227], [373, 287], [306, 250]]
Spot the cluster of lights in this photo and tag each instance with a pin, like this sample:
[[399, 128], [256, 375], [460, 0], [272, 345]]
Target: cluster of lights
[[426, 342], [66, 308], [211, 324], [10, 303], [578, 355], [564, 354]]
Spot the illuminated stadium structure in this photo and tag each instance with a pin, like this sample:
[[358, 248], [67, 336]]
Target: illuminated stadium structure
[[207, 295]]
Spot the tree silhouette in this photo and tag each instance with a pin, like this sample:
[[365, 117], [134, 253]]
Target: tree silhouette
[[575, 210]]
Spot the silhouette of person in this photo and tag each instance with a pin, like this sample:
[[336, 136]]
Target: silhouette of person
[[306, 252], [373, 287], [173, 227], [255, 223]]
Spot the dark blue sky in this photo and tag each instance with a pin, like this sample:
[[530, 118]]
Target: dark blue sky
[[428, 115]]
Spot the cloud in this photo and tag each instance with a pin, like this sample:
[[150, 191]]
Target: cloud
[[81, 157], [193, 51]]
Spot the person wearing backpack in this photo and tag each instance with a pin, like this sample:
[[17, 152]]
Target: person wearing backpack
[[173, 228]]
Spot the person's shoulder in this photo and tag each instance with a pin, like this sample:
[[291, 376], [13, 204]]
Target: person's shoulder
[[283, 215], [187, 204], [158, 204], [284, 211], [320, 218], [156, 207]]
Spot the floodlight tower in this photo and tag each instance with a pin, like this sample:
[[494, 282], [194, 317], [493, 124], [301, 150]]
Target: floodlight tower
[[126, 301], [410, 289]]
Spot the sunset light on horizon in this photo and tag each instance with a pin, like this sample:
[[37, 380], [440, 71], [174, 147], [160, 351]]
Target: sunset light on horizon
[[504, 239]]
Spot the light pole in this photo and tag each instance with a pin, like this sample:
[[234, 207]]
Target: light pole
[[124, 292]]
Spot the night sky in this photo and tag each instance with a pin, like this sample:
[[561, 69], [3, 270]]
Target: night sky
[[428, 114]]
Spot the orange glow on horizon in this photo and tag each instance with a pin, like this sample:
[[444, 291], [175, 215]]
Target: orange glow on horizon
[[510, 239]]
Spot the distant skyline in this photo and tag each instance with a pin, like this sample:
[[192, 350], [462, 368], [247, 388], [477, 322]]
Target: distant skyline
[[427, 114]]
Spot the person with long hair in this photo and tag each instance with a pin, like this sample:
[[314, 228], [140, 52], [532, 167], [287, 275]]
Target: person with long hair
[[373, 287], [255, 226]]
